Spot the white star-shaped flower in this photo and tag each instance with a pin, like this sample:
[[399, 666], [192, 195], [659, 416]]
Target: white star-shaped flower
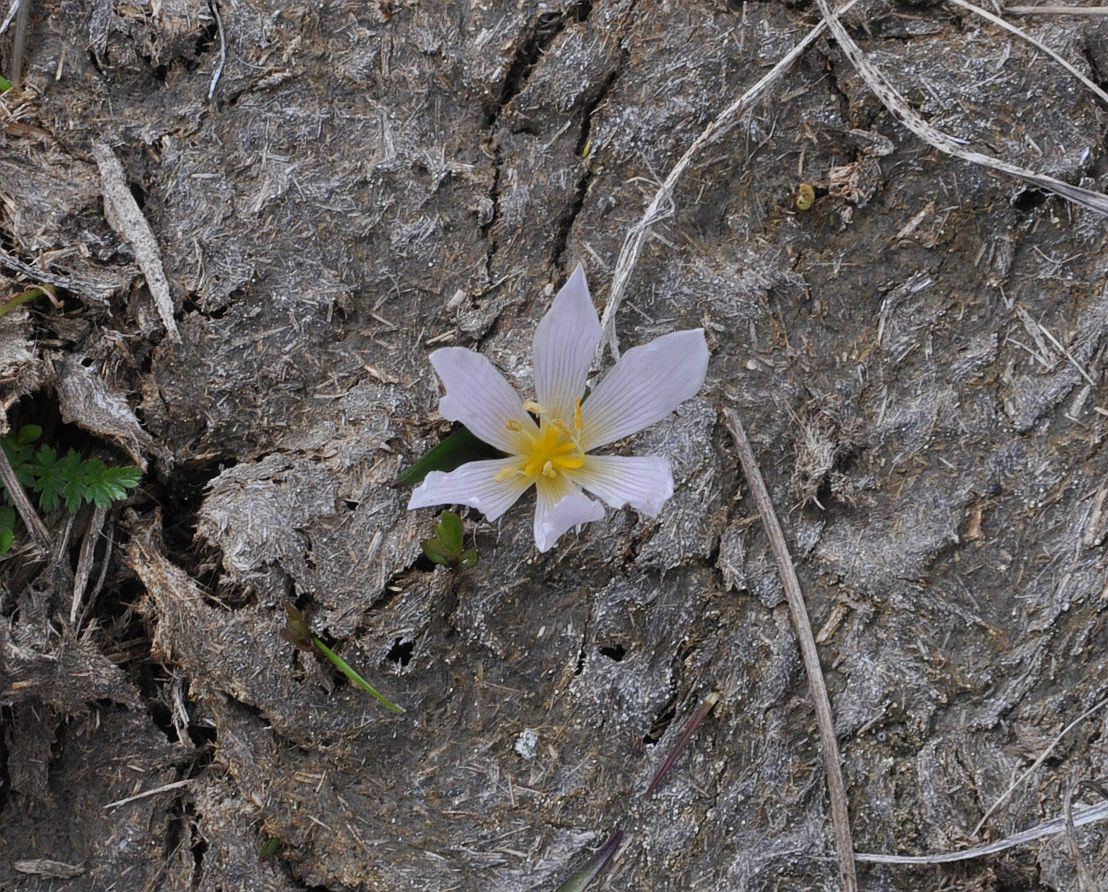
[[555, 454]]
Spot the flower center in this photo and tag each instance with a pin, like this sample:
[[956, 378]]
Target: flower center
[[554, 450]]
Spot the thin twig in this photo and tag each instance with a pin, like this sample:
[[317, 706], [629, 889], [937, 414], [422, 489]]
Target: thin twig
[[1023, 35], [165, 788], [1090, 815], [1039, 761], [840, 815], [213, 5], [23, 505], [1067, 354], [1084, 881], [19, 41], [661, 206], [10, 17], [1057, 10], [127, 220], [910, 118], [84, 562]]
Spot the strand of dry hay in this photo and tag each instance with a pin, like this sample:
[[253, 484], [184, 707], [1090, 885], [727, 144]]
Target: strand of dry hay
[[1039, 761], [1023, 35], [1057, 10], [661, 206], [825, 721], [910, 118], [1090, 815], [10, 17]]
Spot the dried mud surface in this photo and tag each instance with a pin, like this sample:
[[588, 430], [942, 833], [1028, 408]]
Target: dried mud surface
[[919, 359]]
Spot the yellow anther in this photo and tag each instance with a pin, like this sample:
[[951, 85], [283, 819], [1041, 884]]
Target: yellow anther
[[508, 474], [534, 408], [578, 418], [514, 425], [548, 470]]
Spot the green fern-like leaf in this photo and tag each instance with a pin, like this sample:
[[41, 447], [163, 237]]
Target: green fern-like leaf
[[104, 485]]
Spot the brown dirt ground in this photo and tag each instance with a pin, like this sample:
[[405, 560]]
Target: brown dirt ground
[[919, 359]]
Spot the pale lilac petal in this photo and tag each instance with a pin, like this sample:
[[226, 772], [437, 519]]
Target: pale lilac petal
[[645, 482], [565, 343], [646, 385], [559, 506], [477, 484], [478, 396]]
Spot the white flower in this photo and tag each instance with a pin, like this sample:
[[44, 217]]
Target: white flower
[[553, 455]]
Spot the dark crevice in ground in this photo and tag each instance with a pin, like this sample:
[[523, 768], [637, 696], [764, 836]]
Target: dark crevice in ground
[[180, 495], [545, 29], [547, 26]]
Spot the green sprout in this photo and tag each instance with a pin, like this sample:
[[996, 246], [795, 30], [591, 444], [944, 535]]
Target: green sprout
[[447, 546], [271, 847], [5, 84], [12, 303], [58, 479], [299, 634]]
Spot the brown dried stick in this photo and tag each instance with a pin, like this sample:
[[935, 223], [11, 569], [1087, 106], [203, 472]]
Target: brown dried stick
[[124, 216], [840, 815], [23, 505]]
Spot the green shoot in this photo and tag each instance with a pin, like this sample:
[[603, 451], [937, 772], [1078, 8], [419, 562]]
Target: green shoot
[[5, 84], [447, 546], [6, 306], [580, 881], [271, 847], [299, 634], [58, 478]]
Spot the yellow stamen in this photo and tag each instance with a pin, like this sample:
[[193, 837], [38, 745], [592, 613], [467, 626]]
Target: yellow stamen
[[514, 425], [578, 419], [549, 451], [534, 408]]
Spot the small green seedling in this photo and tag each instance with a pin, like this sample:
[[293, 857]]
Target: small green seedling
[[12, 303], [447, 546], [59, 478], [299, 634], [270, 848], [5, 84]]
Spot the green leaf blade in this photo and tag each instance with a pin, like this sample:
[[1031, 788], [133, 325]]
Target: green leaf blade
[[455, 450]]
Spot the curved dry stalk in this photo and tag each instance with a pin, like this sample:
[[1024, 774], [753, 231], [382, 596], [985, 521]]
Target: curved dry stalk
[[1090, 815], [661, 206], [1023, 35], [1057, 10], [910, 118], [1039, 761], [825, 722]]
